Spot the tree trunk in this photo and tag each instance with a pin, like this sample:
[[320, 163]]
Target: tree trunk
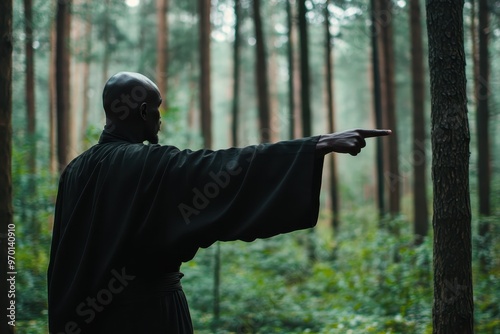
[[205, 87], [420, 211], [475, 52], [86, 68], [105, 39], [162, 48], [30, 91], [483, 138], [392, 175], [236, 73], [377, 106], [306, 104], [52, 102], [261, 76], [63, 81], [6, 210], [304, 70], [291, 72], [330, 107], [453, 298], [273, 76], [143, 31]]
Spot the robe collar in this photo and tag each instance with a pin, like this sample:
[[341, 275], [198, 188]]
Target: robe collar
[[108, 137]]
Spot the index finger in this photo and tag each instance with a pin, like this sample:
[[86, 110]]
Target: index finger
[[374, 133]]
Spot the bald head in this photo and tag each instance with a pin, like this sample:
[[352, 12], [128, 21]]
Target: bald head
[[125, 92], [131, 102]]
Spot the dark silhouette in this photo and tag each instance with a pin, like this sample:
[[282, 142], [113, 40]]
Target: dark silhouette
[[128, 214]]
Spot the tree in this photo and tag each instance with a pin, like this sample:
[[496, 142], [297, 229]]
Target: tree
[[384, 17], [304, 70], [291, 72], [483, 138], [52, 116], [205, 98], [162, 48], [6, 210], [30, 89], [87, 53], [62, 81], [261, 75], [377, 105], [420, 211], [305, 98], [236, 72], [330, 107], [453, 297]]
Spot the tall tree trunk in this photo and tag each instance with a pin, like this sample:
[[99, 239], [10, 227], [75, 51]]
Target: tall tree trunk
[[29, 201], [385, 15], [162, 48], [483, 138], [261, 76], [204, 7], [30, 90], [105, 39], [420, 211], [236, 72], [144, 10], [453, 309], [205, 87], [53, 164], [86, 68], [63, 81], [304, 70], [6, 210], [305, 98], [291, 72], [475, 52], [330, 107], [377, 105], [274, 108]]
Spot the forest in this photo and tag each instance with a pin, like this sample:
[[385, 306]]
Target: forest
[[408, 234]]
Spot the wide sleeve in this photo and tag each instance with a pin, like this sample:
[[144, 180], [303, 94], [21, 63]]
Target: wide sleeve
[[235, 194]]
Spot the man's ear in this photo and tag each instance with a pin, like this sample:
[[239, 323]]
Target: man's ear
[[142, 111]]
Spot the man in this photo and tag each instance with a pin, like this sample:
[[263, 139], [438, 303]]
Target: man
[[128, 214]]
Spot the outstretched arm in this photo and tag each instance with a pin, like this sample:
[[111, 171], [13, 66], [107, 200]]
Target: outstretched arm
[[350, 141]]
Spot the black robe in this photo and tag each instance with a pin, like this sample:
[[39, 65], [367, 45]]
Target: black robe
[[128, 214]]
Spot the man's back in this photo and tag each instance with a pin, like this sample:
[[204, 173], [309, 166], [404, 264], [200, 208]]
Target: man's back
[[128, 214]]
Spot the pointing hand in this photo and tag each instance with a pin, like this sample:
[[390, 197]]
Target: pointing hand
[[350, 141]]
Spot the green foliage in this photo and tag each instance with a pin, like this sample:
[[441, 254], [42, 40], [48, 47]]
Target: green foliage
[[369, 280]]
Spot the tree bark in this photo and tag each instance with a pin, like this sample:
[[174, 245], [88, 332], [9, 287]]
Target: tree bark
[[205, 87], [236, 73], [291, 72], [105, 39], [420, 210], [86, 68], [392, 176], [63, 81], [6, 210], [453, 309], [30, 91], [305, 99], [261, 76], [304, 70], [52, 102], [162, 48], [483, 138], [377, 106], [330, 107]]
